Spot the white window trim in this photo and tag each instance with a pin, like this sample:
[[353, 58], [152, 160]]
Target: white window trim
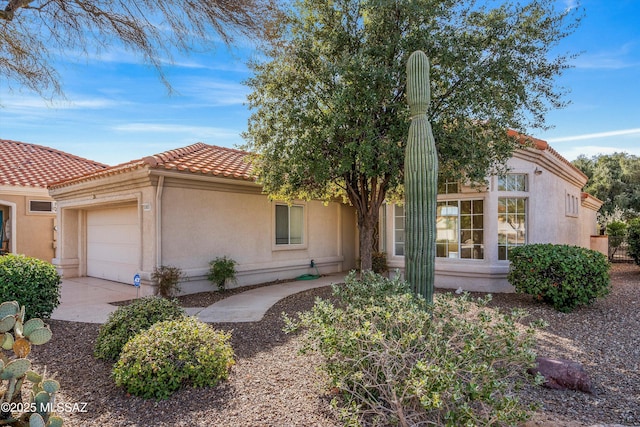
[[393, 242], [514, 195], [305, 227], [32, 212]]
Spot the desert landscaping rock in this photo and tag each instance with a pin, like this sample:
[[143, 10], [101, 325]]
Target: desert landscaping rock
[[272, 385], [561, 374]]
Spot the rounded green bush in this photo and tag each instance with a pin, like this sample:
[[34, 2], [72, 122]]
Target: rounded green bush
[[633, 239], [561, 275], [173, 354], [30, 281], [130, 319]]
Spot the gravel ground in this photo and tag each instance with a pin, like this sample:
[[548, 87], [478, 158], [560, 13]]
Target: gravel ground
[[271, 385]]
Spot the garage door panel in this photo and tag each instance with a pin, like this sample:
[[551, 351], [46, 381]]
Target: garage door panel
[[113, 243]]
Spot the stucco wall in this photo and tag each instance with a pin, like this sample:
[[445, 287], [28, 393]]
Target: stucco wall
[[186, 221], [199, 225], [33, 233]]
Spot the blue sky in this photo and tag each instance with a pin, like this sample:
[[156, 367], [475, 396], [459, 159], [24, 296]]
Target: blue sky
[[118, 110]]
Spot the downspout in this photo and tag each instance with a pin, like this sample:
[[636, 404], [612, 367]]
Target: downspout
[[159, 220]]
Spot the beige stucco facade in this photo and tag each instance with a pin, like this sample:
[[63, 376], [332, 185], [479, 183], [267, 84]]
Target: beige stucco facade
[[556, 211], [186, 220], [27, 232]]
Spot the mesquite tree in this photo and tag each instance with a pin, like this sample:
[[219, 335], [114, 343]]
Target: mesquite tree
[[329, 116], [420, 181]]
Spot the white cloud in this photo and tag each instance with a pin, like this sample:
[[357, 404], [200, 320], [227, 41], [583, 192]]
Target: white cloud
[[621, 132], [594, 150], [33, 102], [570, 4], [197, 131], [609, 60]]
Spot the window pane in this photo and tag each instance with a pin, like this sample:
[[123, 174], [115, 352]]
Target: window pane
[[465, 207], [40, 206], [282, 225], [295, 225], [477, 222], [512, 225]]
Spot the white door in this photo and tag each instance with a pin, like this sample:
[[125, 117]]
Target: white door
[[113, 243]]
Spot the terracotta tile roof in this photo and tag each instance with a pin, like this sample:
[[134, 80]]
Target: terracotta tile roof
[[200, 158], [34, 165], [542, 146]]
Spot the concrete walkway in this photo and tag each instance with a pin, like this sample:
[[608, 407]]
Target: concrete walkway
[[86, 299]]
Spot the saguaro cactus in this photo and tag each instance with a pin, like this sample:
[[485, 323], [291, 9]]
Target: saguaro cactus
[[420, 181]]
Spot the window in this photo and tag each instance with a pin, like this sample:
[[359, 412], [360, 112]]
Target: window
[[447, 187], [41, 206], [512, 224], [398, 230], [459, 229], [289, 224], [513, 182]]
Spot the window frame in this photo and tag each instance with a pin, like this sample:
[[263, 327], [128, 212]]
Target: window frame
[[525, 230], [458, 230], [509, 182], [52, 204], [289, 246]]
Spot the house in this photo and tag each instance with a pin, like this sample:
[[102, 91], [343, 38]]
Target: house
[[538, 201], [184, 208], [27, 212]]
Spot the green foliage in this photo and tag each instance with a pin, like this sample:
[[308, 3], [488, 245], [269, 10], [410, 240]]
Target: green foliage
[[32, 282], [329, 114], [561, 275], [397, 360], [420, 182], [633, 239], [172, 354], [614, 179], [16, 340], [617, 229], [379, 262], [127, 320], [617, 232], [167, 279], [221, 270]]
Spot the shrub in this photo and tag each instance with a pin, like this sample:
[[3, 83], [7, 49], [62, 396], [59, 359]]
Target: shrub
[[396, 360], [32, 282], [221, 270], [379, 262], [167, 279], [128, 320], [172, 354], [633, 239], [561, 275]]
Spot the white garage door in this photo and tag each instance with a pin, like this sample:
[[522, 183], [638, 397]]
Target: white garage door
[[113, 243]]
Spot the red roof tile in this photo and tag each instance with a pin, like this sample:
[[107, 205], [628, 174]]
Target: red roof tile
[[34, 165], [542, 146], [198, 158]]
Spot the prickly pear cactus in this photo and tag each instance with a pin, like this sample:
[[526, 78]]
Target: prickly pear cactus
[[17, 337], [420, 181]]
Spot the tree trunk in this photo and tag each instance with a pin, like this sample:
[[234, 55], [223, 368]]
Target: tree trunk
[[366, 228]]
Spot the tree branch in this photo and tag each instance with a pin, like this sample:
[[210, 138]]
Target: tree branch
[[13, 5]]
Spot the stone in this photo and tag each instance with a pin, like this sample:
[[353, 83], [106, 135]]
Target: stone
[[562, 374]]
